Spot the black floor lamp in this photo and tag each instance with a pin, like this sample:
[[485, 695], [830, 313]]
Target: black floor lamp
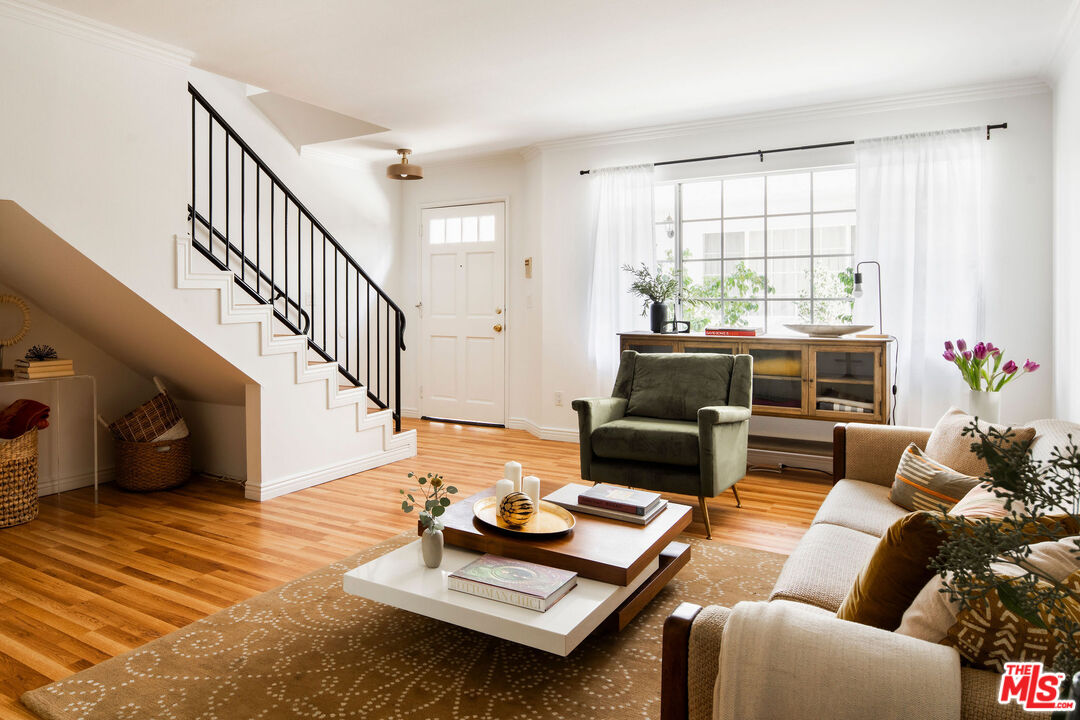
[[858, 292]]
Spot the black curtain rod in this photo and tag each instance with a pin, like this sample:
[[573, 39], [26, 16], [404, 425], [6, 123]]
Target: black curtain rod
[[762, 153]]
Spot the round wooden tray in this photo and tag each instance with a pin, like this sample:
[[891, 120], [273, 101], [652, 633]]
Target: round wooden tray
[[550, 520]]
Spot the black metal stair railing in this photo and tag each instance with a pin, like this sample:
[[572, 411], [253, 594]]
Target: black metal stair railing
[[282, 256]]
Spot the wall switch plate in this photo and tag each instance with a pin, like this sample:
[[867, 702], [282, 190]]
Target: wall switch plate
[[558, 398]]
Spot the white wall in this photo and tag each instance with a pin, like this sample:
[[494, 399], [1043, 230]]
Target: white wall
[[1018, 225], [1066, 252]]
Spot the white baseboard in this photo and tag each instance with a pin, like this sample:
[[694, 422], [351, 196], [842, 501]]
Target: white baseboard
[[410, 412], [283, 486], [51, 486], [544, 433]]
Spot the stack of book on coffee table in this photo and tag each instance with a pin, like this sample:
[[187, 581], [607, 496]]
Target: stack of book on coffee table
[[514, 582], [610, 501]]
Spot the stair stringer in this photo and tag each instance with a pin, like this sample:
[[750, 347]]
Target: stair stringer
[[237, 307]]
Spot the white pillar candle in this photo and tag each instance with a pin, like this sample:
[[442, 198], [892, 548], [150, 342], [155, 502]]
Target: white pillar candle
[[502, 488], [531, 487], [512, 472]]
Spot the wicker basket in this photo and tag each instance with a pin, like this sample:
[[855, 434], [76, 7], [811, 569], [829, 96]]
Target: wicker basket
[[19, 479], [142, 467], [148, 421]]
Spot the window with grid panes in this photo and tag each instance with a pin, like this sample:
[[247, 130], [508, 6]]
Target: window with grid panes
[[760, 250]]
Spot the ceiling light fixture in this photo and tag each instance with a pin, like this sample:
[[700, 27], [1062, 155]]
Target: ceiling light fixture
[[403, 170]]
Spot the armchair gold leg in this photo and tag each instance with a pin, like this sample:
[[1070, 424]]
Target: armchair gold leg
[[705, 513], [738, 503]]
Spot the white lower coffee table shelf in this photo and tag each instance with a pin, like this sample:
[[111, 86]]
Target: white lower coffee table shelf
[[400, 579]]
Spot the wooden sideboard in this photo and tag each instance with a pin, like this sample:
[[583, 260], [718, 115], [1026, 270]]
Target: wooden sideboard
[[843, 379]]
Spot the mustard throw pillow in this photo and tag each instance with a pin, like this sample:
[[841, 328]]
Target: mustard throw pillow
[[925, 484]]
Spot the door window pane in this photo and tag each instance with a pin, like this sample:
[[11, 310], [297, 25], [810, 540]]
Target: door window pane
[[437, 231], [469, 227], [487, 228], [453, 230]]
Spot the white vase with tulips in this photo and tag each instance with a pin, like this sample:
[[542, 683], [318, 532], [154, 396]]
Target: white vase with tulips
[[985, 373]]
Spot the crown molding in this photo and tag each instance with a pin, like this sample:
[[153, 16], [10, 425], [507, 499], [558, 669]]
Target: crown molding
[[971, 93], [84, 28], [1067, 42]]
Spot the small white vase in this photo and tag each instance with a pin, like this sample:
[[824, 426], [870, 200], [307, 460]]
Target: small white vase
[[431, 547], [984, 405]]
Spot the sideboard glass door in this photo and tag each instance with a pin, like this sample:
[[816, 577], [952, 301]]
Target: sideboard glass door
[[843, 384], [779, 379]]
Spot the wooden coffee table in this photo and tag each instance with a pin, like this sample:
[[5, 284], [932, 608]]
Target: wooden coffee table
[[621, 567]]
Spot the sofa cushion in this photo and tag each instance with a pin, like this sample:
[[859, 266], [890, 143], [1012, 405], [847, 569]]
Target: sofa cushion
[[950, 447], [859, 506], [674, 442], [675, 386], [922, 483], [823, 566]]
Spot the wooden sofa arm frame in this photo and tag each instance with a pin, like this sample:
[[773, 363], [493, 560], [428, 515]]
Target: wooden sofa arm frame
[[839, 452], [674, 666]]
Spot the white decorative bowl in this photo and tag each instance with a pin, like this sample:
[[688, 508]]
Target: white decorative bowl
[[827, 330]]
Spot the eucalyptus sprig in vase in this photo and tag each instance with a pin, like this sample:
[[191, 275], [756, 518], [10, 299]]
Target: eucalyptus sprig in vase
[[656, 290], [986, 372], [435, 493]]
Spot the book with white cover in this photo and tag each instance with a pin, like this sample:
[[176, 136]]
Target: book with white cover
[[567, 497]]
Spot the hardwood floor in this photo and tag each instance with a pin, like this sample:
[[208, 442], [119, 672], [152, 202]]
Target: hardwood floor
[[82, 583]]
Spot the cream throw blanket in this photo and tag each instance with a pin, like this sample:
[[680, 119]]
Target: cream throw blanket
[[782, 659]]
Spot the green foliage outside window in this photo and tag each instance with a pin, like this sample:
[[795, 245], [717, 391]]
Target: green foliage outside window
[[829, 284]]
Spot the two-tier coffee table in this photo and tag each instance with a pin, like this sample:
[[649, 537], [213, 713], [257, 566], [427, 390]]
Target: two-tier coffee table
[[620, 566]]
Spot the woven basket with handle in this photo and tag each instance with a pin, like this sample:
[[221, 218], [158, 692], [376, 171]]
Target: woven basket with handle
[[145, 466], [19, 479], [148, 421]]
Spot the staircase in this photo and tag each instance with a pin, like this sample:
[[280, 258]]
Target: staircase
[[275, 265]]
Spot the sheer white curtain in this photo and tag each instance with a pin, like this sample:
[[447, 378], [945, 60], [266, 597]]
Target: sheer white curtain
[[621, 233], [919, 216]]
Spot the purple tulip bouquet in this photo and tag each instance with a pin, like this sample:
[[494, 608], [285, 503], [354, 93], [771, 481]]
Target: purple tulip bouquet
[[981, 366]]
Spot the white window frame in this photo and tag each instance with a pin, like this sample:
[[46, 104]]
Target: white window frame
[[766, 299]]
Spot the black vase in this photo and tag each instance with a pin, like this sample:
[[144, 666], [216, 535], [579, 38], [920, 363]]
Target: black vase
[[658, 316]]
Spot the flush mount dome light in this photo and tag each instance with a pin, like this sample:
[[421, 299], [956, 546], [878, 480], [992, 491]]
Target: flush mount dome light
[[403, 170]]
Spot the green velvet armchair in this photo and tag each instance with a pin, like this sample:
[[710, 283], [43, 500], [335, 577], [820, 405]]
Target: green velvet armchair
[[674, 423]]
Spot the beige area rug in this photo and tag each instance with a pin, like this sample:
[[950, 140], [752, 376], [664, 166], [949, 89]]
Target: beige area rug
[[308, 650]]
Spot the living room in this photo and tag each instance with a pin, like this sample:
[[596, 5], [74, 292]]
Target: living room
[[685, 311]]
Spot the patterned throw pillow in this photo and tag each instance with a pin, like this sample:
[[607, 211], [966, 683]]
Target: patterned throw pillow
[[925, 484], [988, 634]]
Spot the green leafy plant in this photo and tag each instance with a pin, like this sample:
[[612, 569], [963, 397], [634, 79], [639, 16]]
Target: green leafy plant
[[434, 491], [829, 284], [1032, 490], [700, 309], [659, 287]]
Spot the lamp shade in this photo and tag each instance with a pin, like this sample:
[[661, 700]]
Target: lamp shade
[[404, 170]]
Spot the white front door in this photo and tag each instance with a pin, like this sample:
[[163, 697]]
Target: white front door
[[462, 316]]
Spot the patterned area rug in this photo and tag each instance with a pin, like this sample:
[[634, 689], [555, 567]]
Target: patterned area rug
[[308, 650]]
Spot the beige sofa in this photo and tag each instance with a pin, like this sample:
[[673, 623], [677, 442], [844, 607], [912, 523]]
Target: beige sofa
[[812, 585]]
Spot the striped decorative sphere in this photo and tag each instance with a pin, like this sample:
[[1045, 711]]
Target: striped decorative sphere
[[516, 509]]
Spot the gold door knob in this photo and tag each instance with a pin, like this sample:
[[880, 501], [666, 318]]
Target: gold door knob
[[497, 327]]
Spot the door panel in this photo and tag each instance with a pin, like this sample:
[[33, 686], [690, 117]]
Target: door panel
[[462, 319]]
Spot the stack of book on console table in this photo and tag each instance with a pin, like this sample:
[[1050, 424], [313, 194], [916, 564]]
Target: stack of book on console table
[[38, 369], [610, 501], [514, 582]]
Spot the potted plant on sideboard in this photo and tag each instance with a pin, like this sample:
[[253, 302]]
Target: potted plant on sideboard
[[656, 290]]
